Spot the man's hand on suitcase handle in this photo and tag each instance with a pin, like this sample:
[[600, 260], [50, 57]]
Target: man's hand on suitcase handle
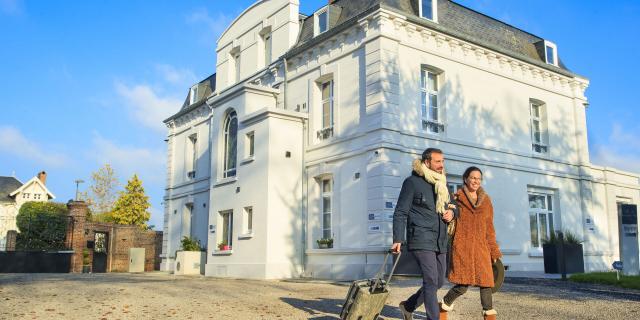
[[395, 248]]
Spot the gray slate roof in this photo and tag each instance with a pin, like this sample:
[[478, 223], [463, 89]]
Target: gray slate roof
[[8, 185], [205, 88], [453, 19]]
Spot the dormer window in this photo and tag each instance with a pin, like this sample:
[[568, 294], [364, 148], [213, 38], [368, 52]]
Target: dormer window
[[322, 21], [428, 9], [193, 95], [551, 53]]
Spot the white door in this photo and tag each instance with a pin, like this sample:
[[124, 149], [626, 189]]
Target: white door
[[136, 259], [629, 239]]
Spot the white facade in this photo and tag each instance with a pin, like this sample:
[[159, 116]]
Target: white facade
[[33, 190], [369, 76]]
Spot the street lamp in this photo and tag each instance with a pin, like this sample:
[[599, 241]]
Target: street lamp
[[78, 182]]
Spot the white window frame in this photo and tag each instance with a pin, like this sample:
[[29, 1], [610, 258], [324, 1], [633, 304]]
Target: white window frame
[[554, 47], [432, 123], [229, 227], [327, 231], [548, 212], [317, 15], [454, 183], [539, 146], [328, 100], [193, 95], [237, 59], [250, 147], [192, 141], [434, 10], [248, 221], [228, 172]]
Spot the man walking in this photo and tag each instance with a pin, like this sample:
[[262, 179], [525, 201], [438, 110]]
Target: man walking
[[420, 220]]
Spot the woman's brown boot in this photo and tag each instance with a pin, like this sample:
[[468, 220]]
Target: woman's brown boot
[[490, 314], [444, 310]]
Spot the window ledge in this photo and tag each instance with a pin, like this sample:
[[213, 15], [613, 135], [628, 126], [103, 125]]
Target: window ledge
[[536, 254], [245, 236], [222, 253], [225, 181], [248, 160]]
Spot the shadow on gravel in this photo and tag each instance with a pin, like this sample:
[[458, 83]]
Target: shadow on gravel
[[567, 290], [125, 278], [318, 309]]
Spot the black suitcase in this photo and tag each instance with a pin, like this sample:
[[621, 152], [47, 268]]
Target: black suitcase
[[367, 297]]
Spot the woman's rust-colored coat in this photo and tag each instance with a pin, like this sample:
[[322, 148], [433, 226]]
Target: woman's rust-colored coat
[[474, 244]]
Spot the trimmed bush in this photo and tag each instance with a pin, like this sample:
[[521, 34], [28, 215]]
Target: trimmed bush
[[42, 226]]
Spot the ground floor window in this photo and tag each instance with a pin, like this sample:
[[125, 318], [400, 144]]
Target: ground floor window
[[225, 241], [540, 217], [327, 198]]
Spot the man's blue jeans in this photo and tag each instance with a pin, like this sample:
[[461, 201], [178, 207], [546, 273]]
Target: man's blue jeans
[[433, 266]]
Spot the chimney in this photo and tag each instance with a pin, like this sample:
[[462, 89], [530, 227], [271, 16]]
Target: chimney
[[43, 177]]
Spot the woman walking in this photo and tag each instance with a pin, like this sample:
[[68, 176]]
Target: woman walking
[[474, 247]]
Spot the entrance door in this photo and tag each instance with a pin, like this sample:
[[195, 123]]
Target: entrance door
[[629, 239], [100, 252]]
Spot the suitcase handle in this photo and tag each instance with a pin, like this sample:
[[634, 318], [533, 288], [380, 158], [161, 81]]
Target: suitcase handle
[[380, 273]]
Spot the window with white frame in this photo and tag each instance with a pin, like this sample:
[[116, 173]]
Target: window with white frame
[[327, 103], [551, 53], [539, 133], [193, 95], [428, 9], [431, 109], [540, 217], [192, 156], [230, 145], [267, 49], [236, 59], [454, 183], [225, 240], [327, 200], [250, 144], [322, 21], [248, 220]]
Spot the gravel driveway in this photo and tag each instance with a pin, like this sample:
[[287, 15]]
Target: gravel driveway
[[162, 296]]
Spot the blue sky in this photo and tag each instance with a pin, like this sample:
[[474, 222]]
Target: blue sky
[[83, 83]]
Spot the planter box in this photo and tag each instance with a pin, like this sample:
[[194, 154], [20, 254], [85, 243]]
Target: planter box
[[190, 262], [573, 256]]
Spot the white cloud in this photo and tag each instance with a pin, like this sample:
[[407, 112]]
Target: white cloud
[[215, 26], [13, 142], [148, 164], [621, 150], [179, 77], [147, 106], [12, 7]]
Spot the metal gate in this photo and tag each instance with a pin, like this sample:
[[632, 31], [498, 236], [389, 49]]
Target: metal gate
[[100, 252]]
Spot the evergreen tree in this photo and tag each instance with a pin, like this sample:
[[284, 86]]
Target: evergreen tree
[[131, 207]]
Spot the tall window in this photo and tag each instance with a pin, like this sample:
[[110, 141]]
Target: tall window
[[192, 157], [539, 134], [428, 9], [327, 104], [429, 102], [226, 238], [230, 145], [322, 18], [236, 59], [327, 197], [248, 213], [267, 49], [250, 146], [540, 217]]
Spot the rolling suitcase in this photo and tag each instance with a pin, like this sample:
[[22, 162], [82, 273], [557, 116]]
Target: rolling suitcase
[[367, 297]]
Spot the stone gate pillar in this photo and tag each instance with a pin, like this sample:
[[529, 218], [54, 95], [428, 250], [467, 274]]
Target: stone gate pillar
[[75, 237]]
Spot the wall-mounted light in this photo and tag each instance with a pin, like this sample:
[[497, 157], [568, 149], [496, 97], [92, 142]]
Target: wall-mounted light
[[288, 154], [357, 175], [237, 189], [204, 205]]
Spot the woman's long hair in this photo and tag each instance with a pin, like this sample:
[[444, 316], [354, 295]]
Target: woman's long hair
[[467, 173]]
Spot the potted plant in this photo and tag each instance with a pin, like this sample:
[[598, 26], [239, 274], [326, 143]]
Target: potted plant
[[325, 243], [223, 246], [570, 245], [86, 261], [191, 259]]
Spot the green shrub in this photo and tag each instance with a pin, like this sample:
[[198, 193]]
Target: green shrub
[[609, 278], [327, 241], [85, 257], [190, 244], [42, 226], [569, 238]]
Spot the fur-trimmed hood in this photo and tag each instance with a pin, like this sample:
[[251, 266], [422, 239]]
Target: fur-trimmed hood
[[417, 167], [462, 196]]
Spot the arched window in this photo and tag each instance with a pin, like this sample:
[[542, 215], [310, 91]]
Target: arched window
[[230, 144]]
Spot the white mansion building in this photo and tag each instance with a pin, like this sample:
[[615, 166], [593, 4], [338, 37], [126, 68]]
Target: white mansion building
[[310, 123]]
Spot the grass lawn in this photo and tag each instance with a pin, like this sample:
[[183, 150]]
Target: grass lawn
[[631, 282]]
